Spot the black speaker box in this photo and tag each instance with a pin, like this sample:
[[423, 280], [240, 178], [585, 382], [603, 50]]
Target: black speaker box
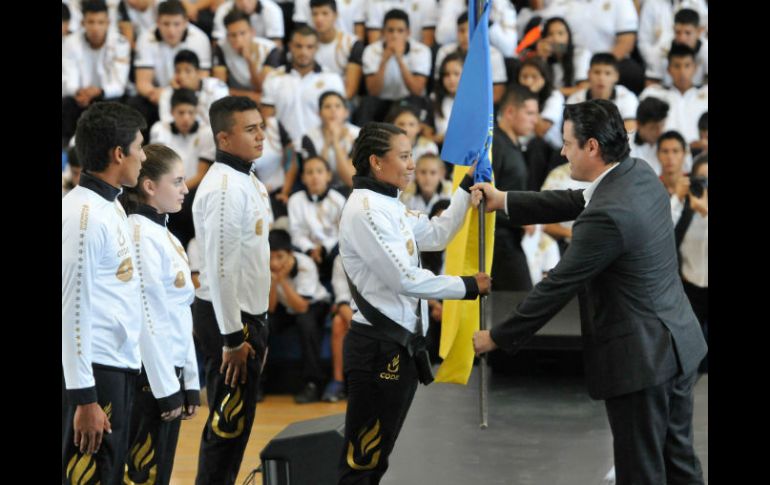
[[305, 453]]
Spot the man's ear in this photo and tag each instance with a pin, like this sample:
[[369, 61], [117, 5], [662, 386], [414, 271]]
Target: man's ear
[[222, 139], [116, 155], [593, 146]]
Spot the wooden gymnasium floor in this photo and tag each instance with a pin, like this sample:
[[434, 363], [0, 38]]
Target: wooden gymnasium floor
[[273, 414]]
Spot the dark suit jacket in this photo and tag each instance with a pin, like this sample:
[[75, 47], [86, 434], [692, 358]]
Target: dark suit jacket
[[637, 324]]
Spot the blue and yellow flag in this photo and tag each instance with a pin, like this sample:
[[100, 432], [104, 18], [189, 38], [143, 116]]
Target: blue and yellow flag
[[468, 138]]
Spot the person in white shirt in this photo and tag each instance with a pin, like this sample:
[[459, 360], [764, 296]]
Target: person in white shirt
[[155, 52], [291, 92], [689, 32], [338, 51], [429, 185], [449, 72], [687, 102], [395, 68], [603, 84], [656, 23], [232, 217], [168, 292], [499, 74], [265, 15], [278, 166], [333, 139], [95, 65], [568, 62], [503, 34], [314, 216], [405, 117], [297, 297], [535, 74], [351, 16], [422, 18], [187, 76], [608, 26], [106, 335], [650, 121], [691, 231], [384, 351], [135, 17], [194, 143], [672, 151], [541, 250], [245, 59]]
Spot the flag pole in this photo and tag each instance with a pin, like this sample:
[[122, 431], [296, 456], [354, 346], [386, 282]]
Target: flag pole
[[484, 381]]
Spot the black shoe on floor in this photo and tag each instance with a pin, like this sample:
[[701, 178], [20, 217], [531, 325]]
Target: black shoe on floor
[[308, 394]]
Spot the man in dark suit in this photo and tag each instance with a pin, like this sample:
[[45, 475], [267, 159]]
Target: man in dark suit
[[642, 342]]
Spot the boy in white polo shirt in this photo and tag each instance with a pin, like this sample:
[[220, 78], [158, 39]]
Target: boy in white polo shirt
[[688, 31], [291, 92], [351, 16], [187, 76], [395, 67], [686, 101], [338, 51], [499, 75], [155, 52], [297, 297], [423, 15], [650, 119], [95, 65], [603, 78], [193, 141], [244, 60], [266, 18]]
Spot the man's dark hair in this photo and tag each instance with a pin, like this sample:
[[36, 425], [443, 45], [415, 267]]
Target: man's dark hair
[[235, 15], [395, 14], [221, 112], [680, 50], [373, 139], [462, 19], [188, 57], [516, 95], [604, 59], [183, 96], [672, 135], [651, 110], [101, 128], [687, 16], [279, 240], [599, 119], [93, 6], [332, 4], [304, 31], [65, 12], [171, 7]]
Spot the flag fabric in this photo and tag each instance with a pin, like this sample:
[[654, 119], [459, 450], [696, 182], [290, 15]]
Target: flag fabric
[[471, 123], [468, 138]]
